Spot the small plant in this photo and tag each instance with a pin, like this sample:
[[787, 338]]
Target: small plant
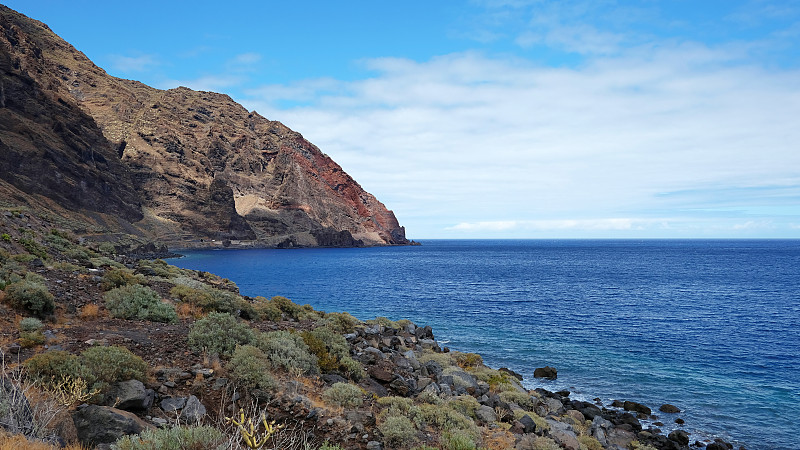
[[219, 333], [6, 237], [332, 352], [468, 360], [266, 310], [138, 302], [90, 311], [287, 351], [248, 428], [340, 322], [112, 364], [30, 332], [397, 431], [68, 391], [34, 248], [589, 443], [31, 294], [522, 399], [115, 278], [249, 366], [344, 394], [457, 440], [174, 438]]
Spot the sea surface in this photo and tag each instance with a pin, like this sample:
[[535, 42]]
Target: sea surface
[[711, 326]]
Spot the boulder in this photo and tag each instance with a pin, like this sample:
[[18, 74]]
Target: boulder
[[546, 406], [193, 412], [636, 407], [130, 395], [528, 425], [669, 409], [563, 434], [104, 425], [171, 404], [679, 436], [486, 414], [620, 438], [460, 379], [546, 372]]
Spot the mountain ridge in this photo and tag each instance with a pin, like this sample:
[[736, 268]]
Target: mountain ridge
[[197, 166]]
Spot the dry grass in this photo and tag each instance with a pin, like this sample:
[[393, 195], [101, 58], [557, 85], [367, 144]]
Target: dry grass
[[90, 311], [18, 442], [188, 311]]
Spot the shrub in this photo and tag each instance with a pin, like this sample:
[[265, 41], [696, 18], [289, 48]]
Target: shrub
[[30, 332], [138, 302], [30, 294], [175, 438], [444, 419], [77, 253], [107, 248], [589, 443], [327, 446], [397, 431], [157, 267], [398, 406], [112, 364], [293, 310], [6, 237], [464, 404], [287, 351], [266, 310], [219, 333], [332, 352], [520, 398], [249, 366], [457, 440], [344, 394], [468, 360], [56, 365], [340, 322], [115, 278], [34, 248], [208, 299]]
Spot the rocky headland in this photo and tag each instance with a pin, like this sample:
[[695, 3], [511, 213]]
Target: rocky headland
[[182, 167]]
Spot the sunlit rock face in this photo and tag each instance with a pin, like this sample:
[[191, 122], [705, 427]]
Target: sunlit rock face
[[178, 165]]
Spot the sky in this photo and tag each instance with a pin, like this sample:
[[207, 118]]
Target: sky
[[501, 118]]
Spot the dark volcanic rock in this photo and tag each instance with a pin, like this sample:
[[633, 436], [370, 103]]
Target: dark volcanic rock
[[669, 409], [636, 407], [104, 425], [546, 372]]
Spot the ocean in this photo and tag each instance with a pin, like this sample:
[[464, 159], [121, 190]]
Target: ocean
[[711, 326]]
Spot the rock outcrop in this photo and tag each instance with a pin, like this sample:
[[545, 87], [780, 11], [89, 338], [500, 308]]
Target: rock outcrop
[[181, 166]]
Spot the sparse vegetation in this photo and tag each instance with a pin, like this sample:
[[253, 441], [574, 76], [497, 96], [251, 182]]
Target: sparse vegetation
[[174, 438], [30, 332], [249, 367], [287, 351], [139, 302], [344, 394], [219, 333], [32, 294]]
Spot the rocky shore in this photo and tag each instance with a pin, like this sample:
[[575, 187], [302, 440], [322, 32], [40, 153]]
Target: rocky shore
[[199, 353]]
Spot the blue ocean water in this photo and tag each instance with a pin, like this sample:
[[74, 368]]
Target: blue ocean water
[[711, 326]]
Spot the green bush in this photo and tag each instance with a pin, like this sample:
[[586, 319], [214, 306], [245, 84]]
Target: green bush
[[266, 310], [34, 248], [78, 254], [287, 351], [523, 400], [328, 446], [55, 365], [156, 267], [398, 406], [107, 248], [293, 310], [208, 299], [340, 322], [219, 333], [397, 431], [344, 394], [332, 352], [457, 440], [444, 419], [249, 366], [59, 242], [468, 360], [112, 364], [139, 302], [115, 278], [30, 332], [464, 404], [175, 438], [6, 237], [31, 294]]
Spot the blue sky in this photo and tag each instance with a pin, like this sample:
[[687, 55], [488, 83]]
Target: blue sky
[[502, 118]]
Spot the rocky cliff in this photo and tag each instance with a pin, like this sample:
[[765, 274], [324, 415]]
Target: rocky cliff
[[181, 166]]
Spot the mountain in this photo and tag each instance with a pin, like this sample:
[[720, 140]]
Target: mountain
[[180, 166]]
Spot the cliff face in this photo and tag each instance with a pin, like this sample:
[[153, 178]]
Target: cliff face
[[190, 165]]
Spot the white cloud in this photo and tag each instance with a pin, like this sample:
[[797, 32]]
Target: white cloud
[[474, 139], [131, 64]]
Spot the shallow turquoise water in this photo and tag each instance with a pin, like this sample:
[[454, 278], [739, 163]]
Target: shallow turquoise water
[[710, 326]]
